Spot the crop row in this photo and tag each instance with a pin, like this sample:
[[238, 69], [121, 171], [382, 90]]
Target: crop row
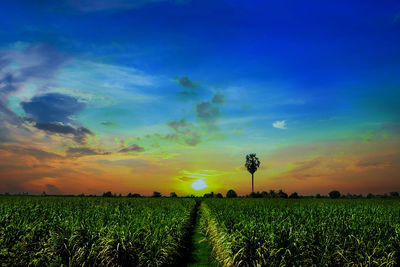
[[285, 232], [98, 231]]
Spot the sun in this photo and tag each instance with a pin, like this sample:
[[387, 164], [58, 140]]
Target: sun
[[199, 185]]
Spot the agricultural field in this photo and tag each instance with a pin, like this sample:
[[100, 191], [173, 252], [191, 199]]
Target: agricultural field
[[100, 231], [318, 232], [74, 231]]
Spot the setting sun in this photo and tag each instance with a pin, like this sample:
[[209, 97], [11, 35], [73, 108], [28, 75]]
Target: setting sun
[[199, 185]]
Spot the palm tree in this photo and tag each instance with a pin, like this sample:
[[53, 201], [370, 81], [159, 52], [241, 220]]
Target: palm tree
[[252, 164]]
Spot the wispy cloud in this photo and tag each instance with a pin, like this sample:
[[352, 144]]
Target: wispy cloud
[[280, 125]]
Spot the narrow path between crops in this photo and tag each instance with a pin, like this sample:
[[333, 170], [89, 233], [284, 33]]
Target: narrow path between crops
[[201, 253]]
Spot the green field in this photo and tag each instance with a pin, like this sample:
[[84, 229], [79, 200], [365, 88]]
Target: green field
[[238, 232]]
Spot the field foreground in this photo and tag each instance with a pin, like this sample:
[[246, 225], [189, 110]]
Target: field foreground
[[159, 231]]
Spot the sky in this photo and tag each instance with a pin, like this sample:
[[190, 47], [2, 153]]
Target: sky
[[170, 96]]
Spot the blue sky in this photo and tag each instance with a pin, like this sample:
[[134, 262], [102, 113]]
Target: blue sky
[[283, 74]]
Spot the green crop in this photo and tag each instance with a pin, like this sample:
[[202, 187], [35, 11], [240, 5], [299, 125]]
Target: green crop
[[286, 232], [93, 231]]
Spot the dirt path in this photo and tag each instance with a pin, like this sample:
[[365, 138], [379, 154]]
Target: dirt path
[[201, 253]]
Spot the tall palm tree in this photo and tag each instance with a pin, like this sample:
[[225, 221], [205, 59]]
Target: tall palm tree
[[252, 164]]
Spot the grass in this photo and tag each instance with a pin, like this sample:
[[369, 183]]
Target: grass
[[42, 231], [277, 232], [93, 231]]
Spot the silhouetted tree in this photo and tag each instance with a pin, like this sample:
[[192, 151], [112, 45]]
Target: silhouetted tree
[[370, 195], [334, 194], [394, 194], [252, 164], [219, 195], [156, 194], [173, 194], [231, 194], [282, 194], [210, 195], [318, 195], [272, 193], [129, 194], [107, 194], [264, 194], [294, 195]]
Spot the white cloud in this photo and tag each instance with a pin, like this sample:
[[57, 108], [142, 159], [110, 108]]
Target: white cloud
[[280, 125]]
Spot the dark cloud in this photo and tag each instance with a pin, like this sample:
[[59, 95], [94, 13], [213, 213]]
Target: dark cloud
[[373, 164], [218, 98], [207, 111], [132, 148], [53, 107], [184, 133], [35, 62], [53, 190], [177, 124], [79, 134], [186, 83], [34, 152], [83, 151]]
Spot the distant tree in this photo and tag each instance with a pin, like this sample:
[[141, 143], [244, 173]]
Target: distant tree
[[294, 195], [44, 194], [282, 194], [394, 194], [129, 194], [348, 195], [334, 194], [370, 195], [272, 193], [136, 195], [264, 194], [252, 164], [210, 195], [231, 194], [82, 195], [107, 194], [156, 194], [219, 195], [173, 194], [318, 195], [255, 195]]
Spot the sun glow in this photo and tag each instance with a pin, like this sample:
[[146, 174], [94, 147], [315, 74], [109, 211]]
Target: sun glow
[[199, 185]]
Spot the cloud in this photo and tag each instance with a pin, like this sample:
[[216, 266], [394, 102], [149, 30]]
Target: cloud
[[189, 87], [185, 82], [218, 98], [373, 164], [107, 123], [185, 133], [79, 134], [280, 125], [188, 179], [177, 124], [37, 63], [30, 151], [52, 107], [53, 190], [207, 111], [132, 148], [83, 151]]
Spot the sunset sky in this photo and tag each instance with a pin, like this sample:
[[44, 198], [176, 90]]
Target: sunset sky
[[155, 95]]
